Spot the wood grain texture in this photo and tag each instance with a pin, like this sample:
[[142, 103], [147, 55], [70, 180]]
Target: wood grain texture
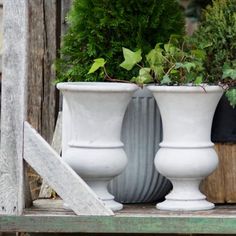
[[46, 191], [94, 234], [43, 45], [13, 106], [220, 187], [228, 152], [73, 190], [146, 219], [44, 28]]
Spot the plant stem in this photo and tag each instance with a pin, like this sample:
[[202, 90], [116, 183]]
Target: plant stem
[[108, 78]]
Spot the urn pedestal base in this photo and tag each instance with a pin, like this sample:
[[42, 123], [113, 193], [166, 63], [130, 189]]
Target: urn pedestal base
[[185, 196], [100, 188], [181, 205]]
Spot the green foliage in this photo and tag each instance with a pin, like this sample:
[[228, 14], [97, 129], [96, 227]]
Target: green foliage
[[218, 28], [100, 28], [131, 58], [97, 64], [218, 31], [170, 64], [231, 95]]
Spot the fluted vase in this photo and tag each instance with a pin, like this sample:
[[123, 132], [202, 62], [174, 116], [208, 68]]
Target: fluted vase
[[141, 134]]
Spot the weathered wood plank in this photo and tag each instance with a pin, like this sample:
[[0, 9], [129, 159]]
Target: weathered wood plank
[[73, 190], [133, 219], [43, 46], [55, 206], [228, 152], [44, 34], [214, 185], [84, 234], [46, 191], [13, 106], [220, 187]]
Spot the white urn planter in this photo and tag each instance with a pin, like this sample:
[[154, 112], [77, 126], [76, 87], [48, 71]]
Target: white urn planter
[[187, 154], [92, 120]]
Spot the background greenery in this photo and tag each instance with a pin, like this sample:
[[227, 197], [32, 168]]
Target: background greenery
[[100, 28], [218, 31]]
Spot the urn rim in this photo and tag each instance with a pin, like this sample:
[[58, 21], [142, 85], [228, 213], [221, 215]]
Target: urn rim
[[205, 88], [97, 86]]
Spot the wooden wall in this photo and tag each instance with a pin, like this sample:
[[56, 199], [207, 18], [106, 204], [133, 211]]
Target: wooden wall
[[1, 38], [44, 32], [44, 37]]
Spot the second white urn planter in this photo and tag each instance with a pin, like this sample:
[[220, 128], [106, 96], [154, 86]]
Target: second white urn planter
[[92, 121], [187, 154]]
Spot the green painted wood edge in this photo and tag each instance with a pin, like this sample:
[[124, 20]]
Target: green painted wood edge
[[118, 224]]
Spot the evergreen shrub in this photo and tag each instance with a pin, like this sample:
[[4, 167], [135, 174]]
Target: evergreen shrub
[[100, 28], [217, 34]]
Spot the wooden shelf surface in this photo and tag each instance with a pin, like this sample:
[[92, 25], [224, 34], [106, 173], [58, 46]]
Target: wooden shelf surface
[[50, 216]]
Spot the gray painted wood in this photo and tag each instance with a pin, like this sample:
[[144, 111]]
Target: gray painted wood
[[70, 187], [13, 106]]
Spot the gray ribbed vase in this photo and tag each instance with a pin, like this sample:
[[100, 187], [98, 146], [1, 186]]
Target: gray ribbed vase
[[141, 134]]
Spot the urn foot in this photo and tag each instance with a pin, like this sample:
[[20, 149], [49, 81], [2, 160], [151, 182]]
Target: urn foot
[[182, 205], [100, 188], [113, 205]]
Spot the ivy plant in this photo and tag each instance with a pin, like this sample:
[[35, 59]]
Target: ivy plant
[[178, 62], [167, 64]]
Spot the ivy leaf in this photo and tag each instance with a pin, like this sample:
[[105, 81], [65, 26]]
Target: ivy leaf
[[144, 75], [131, 58], [167, 47], [179, 65], [155, 57], [231, 73], [166, 80], [189, 65], [170, 48], [158, 71], [98, 63], [198, 80], [231, 95]]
